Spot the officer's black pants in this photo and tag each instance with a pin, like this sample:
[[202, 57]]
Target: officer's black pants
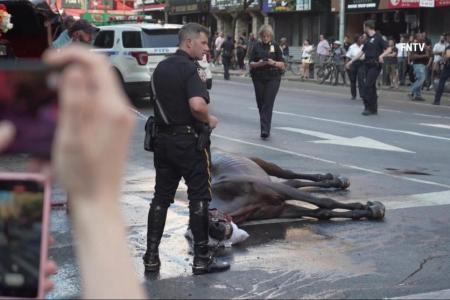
[[226, 61], [356, 75], [370, 88], [440, 89], [176, 157], [266, 90]]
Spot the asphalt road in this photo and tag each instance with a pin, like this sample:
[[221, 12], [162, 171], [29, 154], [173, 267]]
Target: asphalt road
[[400, 157]]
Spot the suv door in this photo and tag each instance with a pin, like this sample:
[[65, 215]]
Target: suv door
[[136, 57]]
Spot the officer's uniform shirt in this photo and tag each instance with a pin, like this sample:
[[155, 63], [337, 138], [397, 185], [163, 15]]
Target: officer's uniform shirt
[[176, 80], [265, 51], [374, 47]]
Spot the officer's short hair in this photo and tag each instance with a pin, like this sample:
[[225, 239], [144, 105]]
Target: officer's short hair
[[369, 24], [191, 30]]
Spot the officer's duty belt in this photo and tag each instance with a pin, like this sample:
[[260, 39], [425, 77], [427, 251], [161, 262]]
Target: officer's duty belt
[[175, 129]]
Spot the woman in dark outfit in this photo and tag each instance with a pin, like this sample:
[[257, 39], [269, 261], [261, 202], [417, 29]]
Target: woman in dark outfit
[[266, 64]]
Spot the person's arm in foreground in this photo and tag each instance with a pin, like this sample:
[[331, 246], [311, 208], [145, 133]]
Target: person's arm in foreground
[[89, 153]]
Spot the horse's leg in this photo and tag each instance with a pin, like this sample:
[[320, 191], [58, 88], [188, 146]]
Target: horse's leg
[[294, 211], [289, 193], [338, 182], [274, 170]]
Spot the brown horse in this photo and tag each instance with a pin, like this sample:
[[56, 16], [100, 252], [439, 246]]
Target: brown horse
[[242, 188]]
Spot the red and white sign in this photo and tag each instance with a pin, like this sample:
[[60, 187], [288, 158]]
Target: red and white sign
[[440, 3], [404, 3], [417, 3]]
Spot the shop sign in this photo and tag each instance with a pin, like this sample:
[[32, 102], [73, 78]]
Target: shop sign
[[224, 4], [440, 3], [184, 8], [404, 3], [71, 4], [271, 6], [426, 3], [354, 5], [101, 4]]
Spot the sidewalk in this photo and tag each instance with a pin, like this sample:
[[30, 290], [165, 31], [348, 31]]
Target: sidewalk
[[429, 95]]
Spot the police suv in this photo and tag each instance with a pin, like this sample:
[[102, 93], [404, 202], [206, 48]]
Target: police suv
[[135, 50]]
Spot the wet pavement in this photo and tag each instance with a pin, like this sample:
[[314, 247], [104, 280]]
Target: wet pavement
[[407, 253]]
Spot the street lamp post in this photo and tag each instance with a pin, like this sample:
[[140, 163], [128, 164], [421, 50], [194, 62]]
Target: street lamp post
[[342, 21]]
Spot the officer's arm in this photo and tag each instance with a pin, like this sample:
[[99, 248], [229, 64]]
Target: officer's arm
[[199, 109]]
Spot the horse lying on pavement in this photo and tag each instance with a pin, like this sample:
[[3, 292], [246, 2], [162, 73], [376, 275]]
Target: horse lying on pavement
[[242, 188]]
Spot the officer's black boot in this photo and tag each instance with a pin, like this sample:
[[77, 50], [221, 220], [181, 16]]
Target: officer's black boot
[[155, 228], [204, 261]]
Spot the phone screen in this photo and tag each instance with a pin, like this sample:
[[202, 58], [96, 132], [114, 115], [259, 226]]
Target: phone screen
[[28, 99], [21, 222]]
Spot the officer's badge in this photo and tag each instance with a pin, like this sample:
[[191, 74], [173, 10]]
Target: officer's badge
[[202, 73]]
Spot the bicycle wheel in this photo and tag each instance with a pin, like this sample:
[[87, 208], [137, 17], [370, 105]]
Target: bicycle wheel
[[327, 72], [295, 68]]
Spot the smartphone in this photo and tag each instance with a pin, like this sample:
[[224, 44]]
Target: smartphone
[[28, 99], [24, 221]]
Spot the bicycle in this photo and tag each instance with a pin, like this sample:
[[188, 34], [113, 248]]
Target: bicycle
[[293, 65], [327, 70]]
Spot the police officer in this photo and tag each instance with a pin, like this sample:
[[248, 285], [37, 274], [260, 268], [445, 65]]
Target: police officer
[[266, 65], [375, 49], [181, 106], [445, 75]]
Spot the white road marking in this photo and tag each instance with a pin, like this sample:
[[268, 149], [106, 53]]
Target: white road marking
[[332, 162], [360, 141], [436, 125], [413, 133]]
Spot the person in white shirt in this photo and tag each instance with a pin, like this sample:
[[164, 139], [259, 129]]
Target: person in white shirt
[[356, 72], [307, 50], [402, 56], [218, 47], [438, 50]]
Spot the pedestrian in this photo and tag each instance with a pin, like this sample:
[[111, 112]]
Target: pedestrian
[[82, 32], [356, 71], [284, 48], [212, 45], [419, 57], [64, 38], [181, 147], [266, 66], [391, 63], [347, 43], [401, 59], [307, 60], [338, 60], [438, 51], [445, 75], [241, 51], [374, 50], [251, 43], [323, 49], [227, 49], [217, 47]]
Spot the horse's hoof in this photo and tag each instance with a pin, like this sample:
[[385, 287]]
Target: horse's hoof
[[376, 209], [344, 182]]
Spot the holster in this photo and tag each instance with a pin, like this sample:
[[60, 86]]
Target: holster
[[204, 136], [150, 134]]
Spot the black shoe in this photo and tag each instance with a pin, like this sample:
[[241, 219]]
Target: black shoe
[[152, 264], [265, 135], [208, 264], [418, 98], [353, 98], [368, 113], [436, 103]]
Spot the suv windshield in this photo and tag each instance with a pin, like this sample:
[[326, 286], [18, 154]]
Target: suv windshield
[[160, 38]]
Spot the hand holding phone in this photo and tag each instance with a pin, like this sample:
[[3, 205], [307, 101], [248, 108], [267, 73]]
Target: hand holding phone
[[24, 220], [28, 99]]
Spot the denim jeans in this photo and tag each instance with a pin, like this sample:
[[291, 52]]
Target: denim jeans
[[420, 72]]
